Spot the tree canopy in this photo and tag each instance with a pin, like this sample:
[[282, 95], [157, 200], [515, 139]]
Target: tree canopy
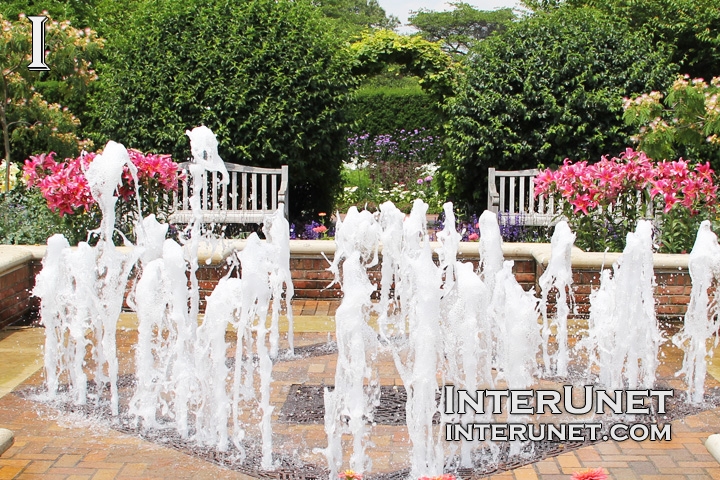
[[459, 29], [685, 123], [355, 16], [415, 56], [691, 27], [30, 121]]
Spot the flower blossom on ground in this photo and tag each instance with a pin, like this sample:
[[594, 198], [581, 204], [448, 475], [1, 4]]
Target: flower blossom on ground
[[350, 475], [596, 474], [445, 476]]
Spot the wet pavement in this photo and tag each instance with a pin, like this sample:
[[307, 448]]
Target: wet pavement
[[56, 444]]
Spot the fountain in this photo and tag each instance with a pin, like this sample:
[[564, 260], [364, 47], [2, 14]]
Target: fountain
[[557, 276], [701, 318], [83, 289], [626, 352], [448, 326], [349, 406]]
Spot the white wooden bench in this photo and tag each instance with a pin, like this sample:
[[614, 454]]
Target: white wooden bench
[[250, 194], [512, 193]]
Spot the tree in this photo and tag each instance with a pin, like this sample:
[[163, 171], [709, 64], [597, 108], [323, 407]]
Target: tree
[[266, 76], [355, 16], [691, 27], [29, 122], [548, 88], [461, 28], [687, 125]]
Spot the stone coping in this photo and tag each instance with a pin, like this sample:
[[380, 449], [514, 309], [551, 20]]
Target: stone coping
[[7, 438], [12, 256]]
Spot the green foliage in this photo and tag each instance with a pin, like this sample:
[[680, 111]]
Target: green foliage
[[386, 109], [414, 55], [548, 88], [102, 16], [461, 28], [371, 183], [25, 219], [687, 125], [355, 16], [266, 76], [691, 27]]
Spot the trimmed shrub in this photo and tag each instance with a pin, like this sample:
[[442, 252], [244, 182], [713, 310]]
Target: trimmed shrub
[[381, 110]]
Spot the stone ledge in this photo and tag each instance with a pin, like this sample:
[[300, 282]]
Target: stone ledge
[[14, 255], [713, 446], [7, 438]]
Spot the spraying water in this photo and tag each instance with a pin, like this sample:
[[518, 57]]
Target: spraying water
[[421, 292], [166, 335], [626, 351], [467, 341], [452, 322], [349, 406], [515, 314], [701, 318], [89, 284], [558, 276], [391, 223]]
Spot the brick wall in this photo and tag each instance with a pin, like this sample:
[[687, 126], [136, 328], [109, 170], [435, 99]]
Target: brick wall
[[672, 291], [311, 279], [16, 301]]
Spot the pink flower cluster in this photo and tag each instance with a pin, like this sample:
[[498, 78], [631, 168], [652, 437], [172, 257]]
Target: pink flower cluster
[[446, 476], [590, 186], [66, 190], [63, 184]]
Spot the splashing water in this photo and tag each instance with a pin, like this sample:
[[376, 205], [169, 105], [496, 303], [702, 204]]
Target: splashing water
[[391, 223], [87, 284], [182, 372], [444, 321], [557, 276], [349, 406], [420, 292], [467, 344], [626, 351], [701, 318]]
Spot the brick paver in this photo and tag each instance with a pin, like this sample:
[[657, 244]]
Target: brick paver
[[53, 445]]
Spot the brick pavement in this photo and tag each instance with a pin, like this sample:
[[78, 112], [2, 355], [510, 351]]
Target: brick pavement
[[53, 445]]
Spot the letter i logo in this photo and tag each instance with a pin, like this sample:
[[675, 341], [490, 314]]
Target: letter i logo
[[38, 43]]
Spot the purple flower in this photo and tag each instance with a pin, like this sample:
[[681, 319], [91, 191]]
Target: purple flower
[[419, 181], [428, 178]]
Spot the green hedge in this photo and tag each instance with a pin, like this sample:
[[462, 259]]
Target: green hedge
[[549, 88], [380, 110]]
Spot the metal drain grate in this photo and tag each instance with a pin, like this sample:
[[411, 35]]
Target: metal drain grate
[[305, 405]]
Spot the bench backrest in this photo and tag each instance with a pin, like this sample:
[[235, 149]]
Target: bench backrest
[[512, 192], [251, 193]]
